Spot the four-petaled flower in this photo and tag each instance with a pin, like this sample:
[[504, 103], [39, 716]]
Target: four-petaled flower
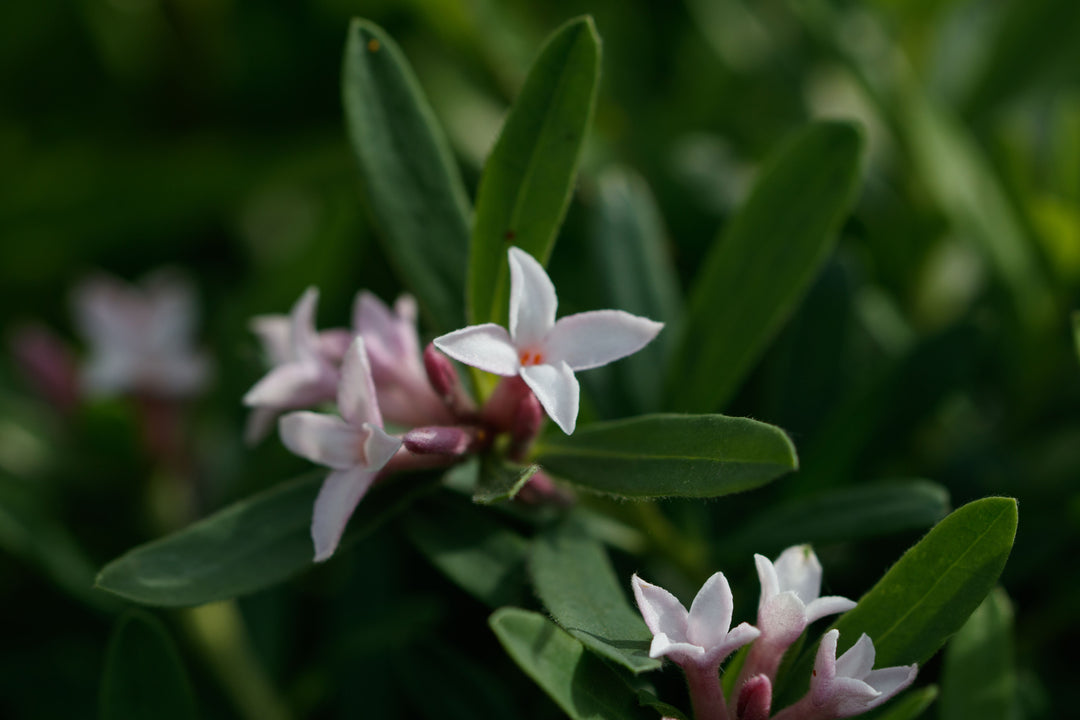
[[790, 590], [545, 353], [847, 685], [700, 638], [354, 446]]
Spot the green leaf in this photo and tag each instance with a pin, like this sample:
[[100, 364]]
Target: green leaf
[[468, 545], [930, 592], [630, 253], [247, 546], [574, 579], [501, 481], [410, 182], [1076, 331], [578, 681], [908, 706], [979, 678], [763, 263], [670, 455], [144, 677], [529, 177], [843, 515]]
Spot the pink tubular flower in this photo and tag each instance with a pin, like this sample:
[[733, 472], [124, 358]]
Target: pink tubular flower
[[545, 353], [305, 370], [354, 446], [847, 685], [141, 338]]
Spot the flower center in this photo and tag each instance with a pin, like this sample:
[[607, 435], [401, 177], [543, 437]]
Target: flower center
[[531, 357]]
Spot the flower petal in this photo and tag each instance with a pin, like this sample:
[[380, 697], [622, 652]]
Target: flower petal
[[171, 311], [825, 660], [740, 635], [848, 697], [532, 299], [592, 339], [379, 447], [679, 652], [828, 605], [891, 680], [798, 570], [260, 422], [323, 439], [292, 385], [858, 660], [338, 497], [273, 332], [782, 618], [302, 333], [387, 330], [770, 584], [557, 390], [486, 346], [356, 397], [710, 613], [663, 613]]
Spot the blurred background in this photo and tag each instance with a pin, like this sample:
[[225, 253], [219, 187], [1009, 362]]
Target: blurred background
[[206, 136]]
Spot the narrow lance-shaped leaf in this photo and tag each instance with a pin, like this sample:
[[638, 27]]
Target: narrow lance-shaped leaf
[[144, 677], [930, 592], [528, 179], [670, 455], [763, 263], [979, 676], [248, 546], [575, 580], [410, 182], [579, 682]]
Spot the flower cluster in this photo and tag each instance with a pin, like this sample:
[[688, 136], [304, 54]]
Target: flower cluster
[[699, 641], [376, 372]]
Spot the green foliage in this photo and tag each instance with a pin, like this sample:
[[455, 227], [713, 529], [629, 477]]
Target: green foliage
[[500, 481], [528, 179], [670, 455], [763, 262], [910, 705], [411, 184], [144, 677], [250, 545], [979, 677]]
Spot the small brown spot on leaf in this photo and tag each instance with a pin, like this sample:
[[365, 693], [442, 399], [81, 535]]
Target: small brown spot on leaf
[[510, 235], [373, 45]]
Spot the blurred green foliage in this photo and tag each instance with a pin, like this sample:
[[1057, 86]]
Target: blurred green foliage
[[208, 135]]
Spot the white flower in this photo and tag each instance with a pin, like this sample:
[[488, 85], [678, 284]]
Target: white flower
[[789, 595], [700, 638], [141, 338], [354, 446], [545, 353], [846, 686]]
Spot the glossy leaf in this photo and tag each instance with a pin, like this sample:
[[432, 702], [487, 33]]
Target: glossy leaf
[[468, 545], [979, 677], [144, 677], [501, 481], [529, 177], [670, 455], [248, 546], [411, 185], [930, 592], [762, 263], [578, 681], [843, 515], [577, 584]]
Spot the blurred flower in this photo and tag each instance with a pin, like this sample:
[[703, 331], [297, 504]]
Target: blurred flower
[[701, 637], [305, 368], [545, 353], [47, 364], [141, 338], [354, 446], [846, 686]]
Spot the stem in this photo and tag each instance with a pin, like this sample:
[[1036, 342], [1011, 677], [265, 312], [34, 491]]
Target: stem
[[706, 695]]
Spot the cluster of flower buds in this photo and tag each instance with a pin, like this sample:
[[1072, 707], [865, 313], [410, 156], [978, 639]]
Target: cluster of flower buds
[[375, 372], [699, 641]]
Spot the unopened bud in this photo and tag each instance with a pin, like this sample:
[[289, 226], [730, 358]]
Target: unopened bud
[[755, 699], [528, 419], [445, 382], [502, 407], [439, 440]]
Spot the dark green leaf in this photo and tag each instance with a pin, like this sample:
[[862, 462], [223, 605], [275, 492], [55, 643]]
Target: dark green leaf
[[908, 706], [469, 546], [574, 579], [930, 592], [763, 262], [500, 481], [844, 515], [670, 455], [144, 677], [247, 546], [1076, 331], [979, 677], [529, 176], [578, 681], [410, 181]]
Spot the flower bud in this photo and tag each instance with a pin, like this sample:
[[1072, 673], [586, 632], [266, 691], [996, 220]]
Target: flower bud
[[440, 440], [755, 699]]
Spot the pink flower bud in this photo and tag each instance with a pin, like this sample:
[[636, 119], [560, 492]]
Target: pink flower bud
[[528, 419], [755, 699], [440, 440]]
